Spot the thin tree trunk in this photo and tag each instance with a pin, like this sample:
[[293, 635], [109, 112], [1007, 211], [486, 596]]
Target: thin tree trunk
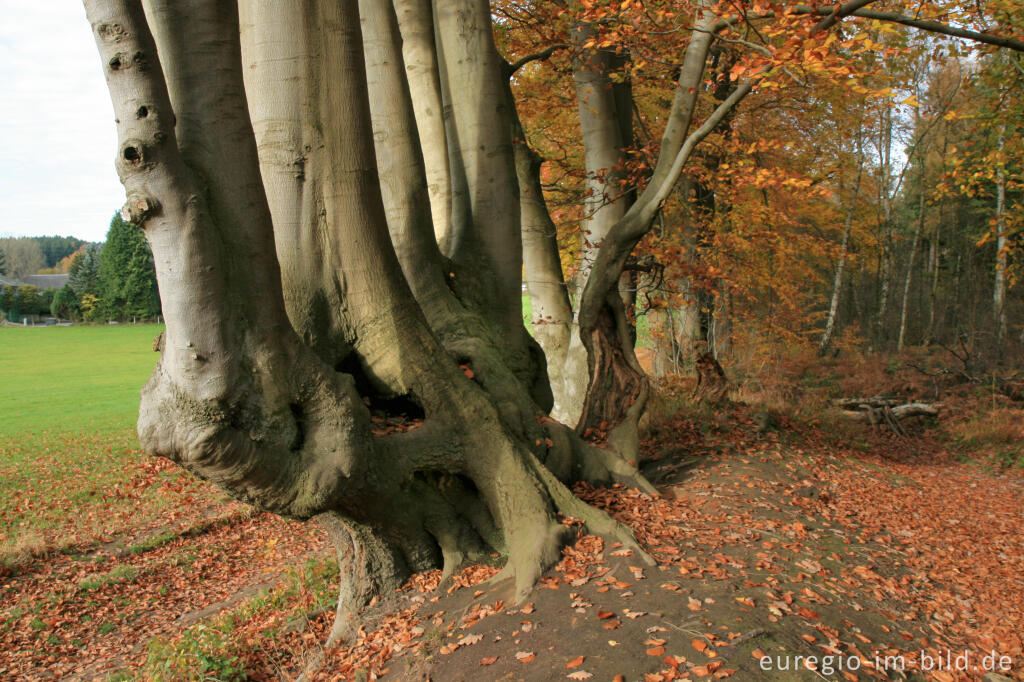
[[999, 291], [887, 228], [837, 284], [416, 23], [551, 310], [910, 265]]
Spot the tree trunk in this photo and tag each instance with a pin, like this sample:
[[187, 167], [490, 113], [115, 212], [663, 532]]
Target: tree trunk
[[300, 286], [911, 257], [885, 276], [837, 284], [999, 291], [711, 382]]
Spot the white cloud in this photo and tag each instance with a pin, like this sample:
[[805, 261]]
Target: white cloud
[[57, 137]]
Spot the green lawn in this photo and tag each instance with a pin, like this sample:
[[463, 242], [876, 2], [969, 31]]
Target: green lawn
[[71, 472], [73, 378]]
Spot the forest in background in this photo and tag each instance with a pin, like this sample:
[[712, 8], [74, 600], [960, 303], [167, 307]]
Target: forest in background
[[871, 204]]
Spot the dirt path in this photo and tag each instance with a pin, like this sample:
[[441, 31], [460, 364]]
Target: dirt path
[[778, 546]]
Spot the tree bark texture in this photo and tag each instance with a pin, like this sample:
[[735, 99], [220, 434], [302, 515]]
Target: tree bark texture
[[272, 154]]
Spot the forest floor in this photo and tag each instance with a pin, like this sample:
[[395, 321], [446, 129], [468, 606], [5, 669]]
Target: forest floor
[[776, 540]]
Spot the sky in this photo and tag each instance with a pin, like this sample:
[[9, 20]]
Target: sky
[[57, 136]]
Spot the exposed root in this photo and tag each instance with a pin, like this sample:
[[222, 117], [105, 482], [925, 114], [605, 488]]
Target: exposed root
[[621, 471], [595, 520], [368, 567]]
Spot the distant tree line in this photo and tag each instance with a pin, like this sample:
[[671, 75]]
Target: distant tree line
[[115, 280], [21, 256]]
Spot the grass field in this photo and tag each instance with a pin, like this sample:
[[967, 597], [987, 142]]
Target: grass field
[[71, 473], [72, 378]]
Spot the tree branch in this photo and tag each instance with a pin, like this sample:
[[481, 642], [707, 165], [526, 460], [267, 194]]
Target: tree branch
[[511, 68], [838, 12], [922, 24]]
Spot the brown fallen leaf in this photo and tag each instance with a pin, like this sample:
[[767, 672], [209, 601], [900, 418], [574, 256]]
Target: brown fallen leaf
[[656, 651], [575, 663], [699, 644], [605, 615], [579, 675], [528, 609], [525, 656], [488, 660], [693, 604]]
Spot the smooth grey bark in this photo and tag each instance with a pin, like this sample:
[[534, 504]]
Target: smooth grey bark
[[551, 309], [416, 23], [274, 416], [605, 110], [911, 258], [885, 198], [999, 290], [478, 125], [837, 284]]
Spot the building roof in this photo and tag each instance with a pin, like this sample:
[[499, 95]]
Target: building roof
[[46, 281]]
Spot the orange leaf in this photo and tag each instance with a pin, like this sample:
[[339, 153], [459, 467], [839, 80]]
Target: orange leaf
[[575, 663], [758, 654], [656, 651], [699, 644], [605, 615], [488, 660]]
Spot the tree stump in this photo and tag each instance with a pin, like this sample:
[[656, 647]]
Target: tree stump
[[711, 382]]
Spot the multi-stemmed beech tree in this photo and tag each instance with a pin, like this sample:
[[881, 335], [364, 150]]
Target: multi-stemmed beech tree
[[332, 190]]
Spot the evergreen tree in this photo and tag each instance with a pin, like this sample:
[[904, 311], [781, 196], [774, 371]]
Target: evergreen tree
[[85, 273], [127, 275], [3, 263]]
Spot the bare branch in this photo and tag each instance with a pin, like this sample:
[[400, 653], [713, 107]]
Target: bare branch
[[511, 68], [922, 24], [838, 12]]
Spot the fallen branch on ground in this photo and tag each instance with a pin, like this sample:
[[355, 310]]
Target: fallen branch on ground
[[879, 410]]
